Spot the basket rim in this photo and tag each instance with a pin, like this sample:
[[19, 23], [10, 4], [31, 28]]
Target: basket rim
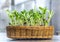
[[30, 27]]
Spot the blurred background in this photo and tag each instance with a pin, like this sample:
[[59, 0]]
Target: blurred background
[[29, 4]]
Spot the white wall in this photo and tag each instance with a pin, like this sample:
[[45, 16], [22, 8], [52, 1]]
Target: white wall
[[3, 20], [56, 18]]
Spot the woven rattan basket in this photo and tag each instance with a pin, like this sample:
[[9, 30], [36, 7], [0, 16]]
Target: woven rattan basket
[[30, 31]]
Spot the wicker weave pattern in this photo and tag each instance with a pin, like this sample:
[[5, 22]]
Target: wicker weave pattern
[[30, 32]]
